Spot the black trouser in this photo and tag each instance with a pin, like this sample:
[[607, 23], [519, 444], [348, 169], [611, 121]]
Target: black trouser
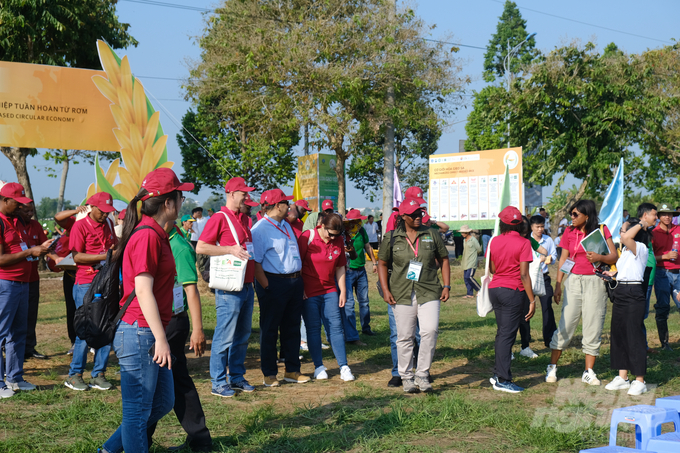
[[188, 407], [280, 307], [549, 325], [68, 282], [33, 302], [629, 349], [525, 326], [509, 306]]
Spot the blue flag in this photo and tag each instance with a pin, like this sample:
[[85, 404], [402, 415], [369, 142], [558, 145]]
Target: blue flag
[[611, 213]]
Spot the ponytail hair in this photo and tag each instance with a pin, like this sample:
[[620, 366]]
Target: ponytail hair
[[150, 207]]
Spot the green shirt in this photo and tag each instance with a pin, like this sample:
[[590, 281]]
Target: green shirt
[[186, 234], [430, 247], [471, 249], [310, 222], [185, 261], [360, 241]]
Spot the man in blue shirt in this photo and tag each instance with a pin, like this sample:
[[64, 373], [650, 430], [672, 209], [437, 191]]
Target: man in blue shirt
[[537, 231], [279, 288]]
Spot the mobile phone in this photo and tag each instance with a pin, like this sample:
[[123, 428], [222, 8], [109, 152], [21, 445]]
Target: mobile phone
[[152, 353], [55, 239], [606, 277]]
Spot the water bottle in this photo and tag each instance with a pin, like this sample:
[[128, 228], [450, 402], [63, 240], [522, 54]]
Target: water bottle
[[97, 298], [675, 248]]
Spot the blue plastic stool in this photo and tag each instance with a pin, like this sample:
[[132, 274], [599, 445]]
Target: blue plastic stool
[[615, 450], [669, 402], [665, 443], [647, 421]]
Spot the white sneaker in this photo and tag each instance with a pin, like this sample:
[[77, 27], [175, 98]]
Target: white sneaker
[[346, 374], [637, 388], [320, 373], [6, 392], [512, 356], [303, 346], [92, 351], [618, 383], [21, 385], [551, 374], [589, 377], [325, 346], [527, 352]]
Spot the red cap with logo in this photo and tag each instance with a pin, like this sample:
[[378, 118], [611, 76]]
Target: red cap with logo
[[510, 215], [250, 202], [355, 214], [327, 204], [410, 205], [16, 192], [162, 181], [273, 196], [414, 192], [121, 216], [426, 217], [303, 204], [237, 185], [103, 201]]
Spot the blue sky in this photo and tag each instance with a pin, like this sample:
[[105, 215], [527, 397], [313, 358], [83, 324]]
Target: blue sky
[[167, 38]]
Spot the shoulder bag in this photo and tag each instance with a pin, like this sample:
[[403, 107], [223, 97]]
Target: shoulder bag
[[228, 272], [484, 306]]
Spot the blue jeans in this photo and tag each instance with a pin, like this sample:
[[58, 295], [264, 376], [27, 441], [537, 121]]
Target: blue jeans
[[13, 328], [324, 308], [232, 331], [79, 360], [664, 284], [146, 389], [393, 341], [356, 279]]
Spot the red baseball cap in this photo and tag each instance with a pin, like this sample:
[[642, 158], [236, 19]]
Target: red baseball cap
[[237, 184], [355, 214], [103, 201], [303, 204], [510, 215], [410, 205], [162, 181], [327, 204], [273, 196], [414, 192], [426, 217], [121, 216], [250, 202], [395, 209], [16, 192]]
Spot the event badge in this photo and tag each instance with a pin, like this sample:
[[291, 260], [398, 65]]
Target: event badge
[[25, 247], [177, 299], [567, 266], [251, 249], [414, 268], [293, 249]]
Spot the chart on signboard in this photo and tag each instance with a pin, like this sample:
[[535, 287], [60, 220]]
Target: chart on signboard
[[466, 187]]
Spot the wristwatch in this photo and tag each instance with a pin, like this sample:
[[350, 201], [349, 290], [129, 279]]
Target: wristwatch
[[447, 286]]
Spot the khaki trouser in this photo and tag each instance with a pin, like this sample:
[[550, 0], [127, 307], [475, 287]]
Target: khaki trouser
[[426, 315], [586, 297]]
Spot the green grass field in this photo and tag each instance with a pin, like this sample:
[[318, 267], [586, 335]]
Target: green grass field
[[463, 414]]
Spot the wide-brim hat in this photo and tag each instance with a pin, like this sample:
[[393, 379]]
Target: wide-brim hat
[[355, 214], [465, 229], [666, 209]]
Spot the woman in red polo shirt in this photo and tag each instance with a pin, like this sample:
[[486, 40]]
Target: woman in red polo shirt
[[323, 270], [148, 268], [510, 255], [586, 293]]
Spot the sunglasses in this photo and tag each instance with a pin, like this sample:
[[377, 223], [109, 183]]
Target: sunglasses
[[333, 235], [416, 215], [575, 214]]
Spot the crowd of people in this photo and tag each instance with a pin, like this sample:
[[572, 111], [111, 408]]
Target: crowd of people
[[309, 276]]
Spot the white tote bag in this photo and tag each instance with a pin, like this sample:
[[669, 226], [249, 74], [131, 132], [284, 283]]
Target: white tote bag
[[484, 306], [536, 272], [227, 272]]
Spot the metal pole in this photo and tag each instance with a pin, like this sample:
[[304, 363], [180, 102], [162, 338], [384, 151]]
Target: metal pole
[[388, 147]]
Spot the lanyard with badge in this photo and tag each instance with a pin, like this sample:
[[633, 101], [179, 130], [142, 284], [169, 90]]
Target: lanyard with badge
[[292, 245], [570, 263], [177, 298], [414, 267]]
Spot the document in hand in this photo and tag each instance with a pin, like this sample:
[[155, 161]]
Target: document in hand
[[595, 242]]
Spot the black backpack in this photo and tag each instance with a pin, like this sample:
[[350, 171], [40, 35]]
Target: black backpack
[[96, 323]]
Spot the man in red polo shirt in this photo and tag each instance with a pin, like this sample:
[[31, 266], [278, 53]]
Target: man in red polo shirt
[[90, 239], [15, 270], [32, 234], [665, 242], [296, 212], [234, 308]]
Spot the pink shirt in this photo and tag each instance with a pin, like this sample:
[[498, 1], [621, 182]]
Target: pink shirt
[[149, 252], [392, 222], [571, 241], [91, 238], [217, 230], [506, 252], [319, 261]]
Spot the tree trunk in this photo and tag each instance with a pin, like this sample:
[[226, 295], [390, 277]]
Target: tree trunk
[[18, 158], [340, 158], [62, 185], [559, 215], [388, 147]]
